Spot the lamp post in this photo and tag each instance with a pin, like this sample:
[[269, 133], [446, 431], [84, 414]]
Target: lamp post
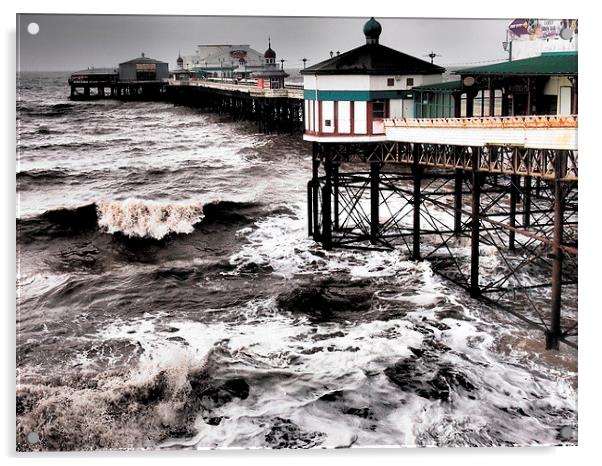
[[507, 44]]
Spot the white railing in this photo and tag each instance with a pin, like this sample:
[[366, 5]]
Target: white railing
[[541, 132]]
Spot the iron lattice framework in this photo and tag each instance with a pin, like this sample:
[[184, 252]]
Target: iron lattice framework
[[494, 220]]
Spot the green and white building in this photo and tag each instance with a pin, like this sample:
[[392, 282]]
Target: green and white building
[[348, 97]]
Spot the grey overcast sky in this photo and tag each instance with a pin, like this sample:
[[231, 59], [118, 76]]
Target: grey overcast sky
[[72, 42]]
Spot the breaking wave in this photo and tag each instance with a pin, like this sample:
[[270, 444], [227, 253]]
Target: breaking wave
[[136, 218], [148, 219]]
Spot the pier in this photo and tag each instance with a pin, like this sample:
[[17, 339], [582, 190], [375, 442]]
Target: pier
[[501, 185], [504, 185], [273, 110]]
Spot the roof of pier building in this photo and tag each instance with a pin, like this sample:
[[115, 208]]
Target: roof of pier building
[[547, 64], [269, 53], [374, 59], [447, 86], [95, 71], [142, 60]]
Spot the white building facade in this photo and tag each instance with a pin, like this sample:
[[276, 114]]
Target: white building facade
[[347, 97], [220, 60]]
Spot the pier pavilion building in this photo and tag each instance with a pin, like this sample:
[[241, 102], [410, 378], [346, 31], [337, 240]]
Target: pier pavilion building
[[143, 69], [348, 97], [224, 60], [270, 76], [543, 85]]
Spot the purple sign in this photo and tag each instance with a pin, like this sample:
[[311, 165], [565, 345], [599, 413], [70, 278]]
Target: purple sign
[[529, 29]]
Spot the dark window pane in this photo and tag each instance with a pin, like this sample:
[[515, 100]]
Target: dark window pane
[[378, 109]]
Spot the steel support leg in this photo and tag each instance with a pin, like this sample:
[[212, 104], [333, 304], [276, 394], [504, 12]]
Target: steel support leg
[[475, 225], [513, 200], [374, 201], [417, 175], [315, 192], [335, 194], [326, 205], [554, 334], [310, 214], [458, 202], [527, 203]]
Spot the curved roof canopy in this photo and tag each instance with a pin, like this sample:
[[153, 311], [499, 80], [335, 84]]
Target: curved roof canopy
[[548, 63], [141, 60]]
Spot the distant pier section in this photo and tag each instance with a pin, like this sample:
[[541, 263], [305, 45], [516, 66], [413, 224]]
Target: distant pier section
[[259, 94], [142, 78]]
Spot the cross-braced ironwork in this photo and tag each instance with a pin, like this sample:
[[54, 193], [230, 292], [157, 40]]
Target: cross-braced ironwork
[[498, 221]]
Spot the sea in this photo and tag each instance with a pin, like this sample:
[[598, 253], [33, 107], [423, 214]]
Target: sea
[[167, 290]]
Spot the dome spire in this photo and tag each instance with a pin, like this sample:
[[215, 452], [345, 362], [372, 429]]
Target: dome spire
[[372, 30], [270, 55]]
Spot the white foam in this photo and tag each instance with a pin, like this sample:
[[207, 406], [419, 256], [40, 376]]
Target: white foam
[[148, 219]]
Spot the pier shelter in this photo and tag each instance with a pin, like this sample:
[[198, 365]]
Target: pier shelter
[[93, 83], [543, 85], [348, 97]]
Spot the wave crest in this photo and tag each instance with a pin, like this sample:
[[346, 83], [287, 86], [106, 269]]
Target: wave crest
[[148, 219]]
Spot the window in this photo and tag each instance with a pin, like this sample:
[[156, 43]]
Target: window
[[390, 81], [379, 110], [327, 122], [409, 82]]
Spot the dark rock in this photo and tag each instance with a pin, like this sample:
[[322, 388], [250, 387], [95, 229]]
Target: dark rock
[[413, 375], [286, 434], [326, 336], [322, 302], [332, 396], [213, 421], [252, 267], [364, 413]]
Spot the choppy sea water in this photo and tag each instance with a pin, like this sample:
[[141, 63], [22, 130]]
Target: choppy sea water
[[167, 298]]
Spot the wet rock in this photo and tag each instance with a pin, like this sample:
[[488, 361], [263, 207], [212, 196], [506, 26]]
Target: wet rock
[[252, 267], [213, 421], [424, 375], [286, 434], [326, 301], [219, 395], [315, 349], [327, 336], [364, 413], [179, 340], [332, 396]]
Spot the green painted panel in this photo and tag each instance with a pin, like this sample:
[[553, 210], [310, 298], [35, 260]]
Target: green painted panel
[[310, 94]]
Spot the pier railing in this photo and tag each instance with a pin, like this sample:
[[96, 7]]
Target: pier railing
[[540, 132], [245, 88]]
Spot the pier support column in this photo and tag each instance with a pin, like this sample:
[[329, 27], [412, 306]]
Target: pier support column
[[374, 201], [310, 208], [475, 291], [315, 192], [513, 200], [417, 179], [554, 334], [327, 205], [458, 176], [335, 194], [527, 202]]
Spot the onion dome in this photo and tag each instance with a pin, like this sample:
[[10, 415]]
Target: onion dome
[[269, 53], [180, 60], [372, 30]]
